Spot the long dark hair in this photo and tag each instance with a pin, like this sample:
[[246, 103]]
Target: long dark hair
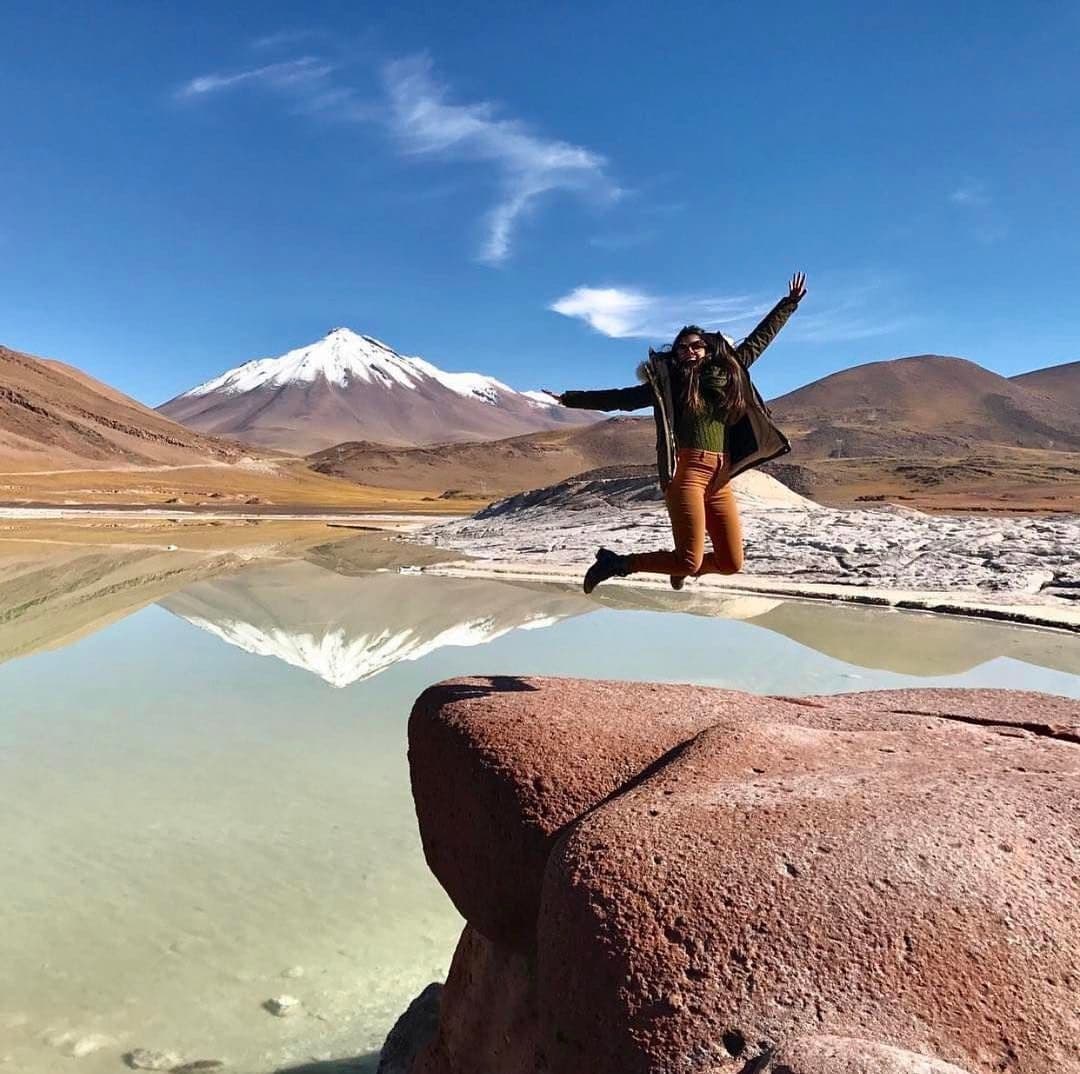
[[718, 352]]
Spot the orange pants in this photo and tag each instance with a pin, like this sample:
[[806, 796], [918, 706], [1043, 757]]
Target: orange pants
[[699, 501]]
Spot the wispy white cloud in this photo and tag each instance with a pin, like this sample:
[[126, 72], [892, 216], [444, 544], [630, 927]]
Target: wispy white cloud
[[632, 313], [426, 123], [288, 75], [861, 312]]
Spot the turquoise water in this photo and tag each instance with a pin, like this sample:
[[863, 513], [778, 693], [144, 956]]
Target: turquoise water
[[206, 801]]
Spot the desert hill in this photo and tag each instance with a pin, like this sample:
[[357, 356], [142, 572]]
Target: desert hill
[[941, 433], [925, 405], [54, 415], [1060, 382], [497, 467]]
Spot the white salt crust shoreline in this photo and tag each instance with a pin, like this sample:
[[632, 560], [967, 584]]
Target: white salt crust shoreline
[[1038, 615], [1014, 569]]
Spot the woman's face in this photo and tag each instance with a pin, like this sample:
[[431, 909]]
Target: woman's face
[[691, 348]]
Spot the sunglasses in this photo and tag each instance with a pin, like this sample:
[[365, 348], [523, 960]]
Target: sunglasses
[[699, 346]]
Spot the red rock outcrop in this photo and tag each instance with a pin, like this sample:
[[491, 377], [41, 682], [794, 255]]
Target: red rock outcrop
[[676, 879]]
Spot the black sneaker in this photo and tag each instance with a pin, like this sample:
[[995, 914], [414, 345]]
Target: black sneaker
[[677, 581], [608, 564]]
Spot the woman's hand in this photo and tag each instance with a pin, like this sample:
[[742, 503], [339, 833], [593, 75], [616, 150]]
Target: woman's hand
[[797, 287], [557, 398]]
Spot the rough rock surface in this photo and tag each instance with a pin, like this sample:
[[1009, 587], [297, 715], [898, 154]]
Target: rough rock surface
[[411, 1032], [843, 1055], [676, 879], [786, 536]]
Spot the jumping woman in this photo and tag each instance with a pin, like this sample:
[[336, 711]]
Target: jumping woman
[[711, 424]]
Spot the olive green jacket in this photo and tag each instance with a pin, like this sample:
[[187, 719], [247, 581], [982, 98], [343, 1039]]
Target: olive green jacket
[[749, 441]]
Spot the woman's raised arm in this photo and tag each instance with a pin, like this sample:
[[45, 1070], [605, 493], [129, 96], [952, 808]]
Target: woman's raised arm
[[750, 349], [640, 395]]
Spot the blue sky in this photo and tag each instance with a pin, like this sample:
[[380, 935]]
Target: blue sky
[[188, 186]]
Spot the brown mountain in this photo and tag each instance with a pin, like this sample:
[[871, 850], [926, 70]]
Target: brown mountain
[[941, 433], [923, 406], [347, 386], [496, 467], [1060, 382], [54, 415]]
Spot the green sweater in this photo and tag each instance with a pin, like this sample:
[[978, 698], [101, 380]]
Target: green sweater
[[704, 430]]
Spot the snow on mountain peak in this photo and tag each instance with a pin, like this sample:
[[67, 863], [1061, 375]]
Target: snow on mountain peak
[[343, 357], [540, 399]]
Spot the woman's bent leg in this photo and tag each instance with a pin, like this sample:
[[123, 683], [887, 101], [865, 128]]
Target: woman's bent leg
[[685, 499], [725, 532]]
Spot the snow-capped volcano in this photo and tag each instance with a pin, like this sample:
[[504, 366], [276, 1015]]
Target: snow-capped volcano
[[343, 357], [353, 387]]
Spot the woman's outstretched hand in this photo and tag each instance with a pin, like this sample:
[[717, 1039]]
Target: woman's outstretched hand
[[797, 287], [557, 398]]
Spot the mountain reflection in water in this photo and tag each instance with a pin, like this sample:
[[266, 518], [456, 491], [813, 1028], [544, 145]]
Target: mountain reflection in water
[[884, 639], [347, 629], [328, 615]]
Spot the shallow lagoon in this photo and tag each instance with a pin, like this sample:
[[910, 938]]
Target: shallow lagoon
[[206, 801]]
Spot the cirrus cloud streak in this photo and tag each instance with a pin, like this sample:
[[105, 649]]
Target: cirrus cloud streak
[[289, 74], [424, 122]]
